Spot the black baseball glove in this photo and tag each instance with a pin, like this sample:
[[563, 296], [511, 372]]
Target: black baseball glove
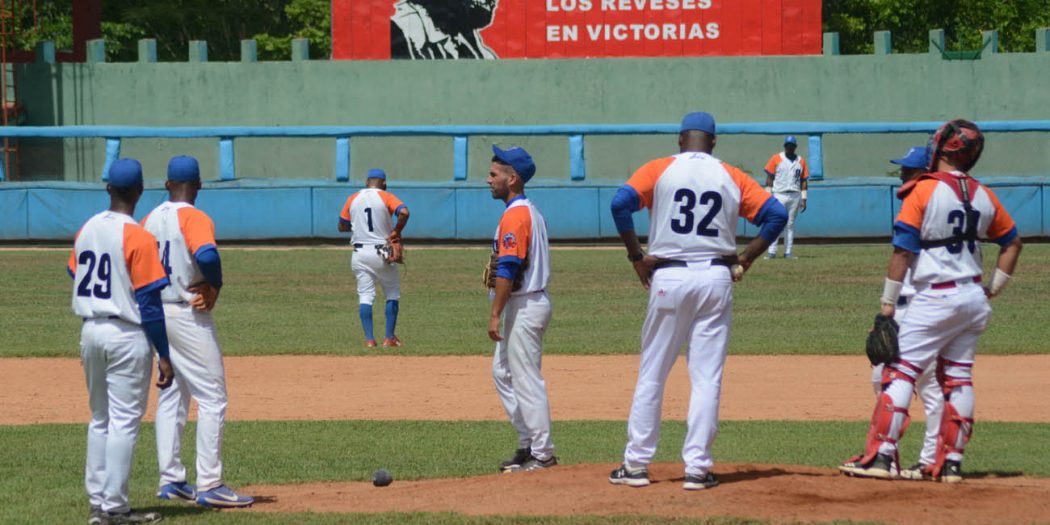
[[882, 344]]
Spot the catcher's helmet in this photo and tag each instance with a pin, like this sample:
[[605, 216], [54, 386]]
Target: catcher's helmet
[[958, 141]]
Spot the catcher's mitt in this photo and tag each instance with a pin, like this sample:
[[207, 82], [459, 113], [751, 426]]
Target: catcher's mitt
[[393, 252], [488, 277], [882, 344]]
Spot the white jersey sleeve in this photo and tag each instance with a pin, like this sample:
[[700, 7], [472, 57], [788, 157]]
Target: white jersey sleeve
[[182, 231], [370, 215]]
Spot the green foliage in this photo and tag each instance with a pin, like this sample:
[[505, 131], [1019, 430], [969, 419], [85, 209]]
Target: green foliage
[[43, 473], [910, 21], [304, 301], [310, 19]]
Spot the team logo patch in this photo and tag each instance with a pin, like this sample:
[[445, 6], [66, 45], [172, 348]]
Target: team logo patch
[[510, 241]]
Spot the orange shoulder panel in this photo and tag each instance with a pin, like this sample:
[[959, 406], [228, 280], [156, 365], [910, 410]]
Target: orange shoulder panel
[[197, 228], [771, 166], [752, 196], [392, 202], [1002, 223], [141, 256], [345, 214], [644, 180], [914, 206], [805, 168], [73, 255], [515, 232]]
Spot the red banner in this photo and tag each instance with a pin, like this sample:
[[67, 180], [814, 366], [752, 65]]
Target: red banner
[[491, 29]]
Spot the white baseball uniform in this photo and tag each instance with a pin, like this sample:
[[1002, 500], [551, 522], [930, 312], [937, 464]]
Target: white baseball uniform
[[182, 231], [516, 364], [369, 213], [788, 175], [695, 201], [113, 259], [949, 310]]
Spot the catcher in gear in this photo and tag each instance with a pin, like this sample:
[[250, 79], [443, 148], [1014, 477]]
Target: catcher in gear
[[945, 216], [377, 246]]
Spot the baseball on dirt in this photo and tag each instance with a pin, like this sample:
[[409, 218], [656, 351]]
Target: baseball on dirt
[[737, 271], [382, 478]]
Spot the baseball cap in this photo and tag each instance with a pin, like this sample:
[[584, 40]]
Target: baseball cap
[[376, 173], [790, 139], [183, 168], [917, 157], [125, 173], [517, 158], [698, 121]]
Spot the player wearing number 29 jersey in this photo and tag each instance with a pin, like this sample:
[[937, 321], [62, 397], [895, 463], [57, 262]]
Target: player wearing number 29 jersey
[[695, 202]]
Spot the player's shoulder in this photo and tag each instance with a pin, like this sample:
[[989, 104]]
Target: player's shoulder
[[193, 213], [135, 234]]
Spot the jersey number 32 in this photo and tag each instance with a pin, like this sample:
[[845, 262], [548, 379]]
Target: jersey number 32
[[687, 201]]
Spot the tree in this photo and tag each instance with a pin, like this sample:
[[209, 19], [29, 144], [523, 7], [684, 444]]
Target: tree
[[310, 19]]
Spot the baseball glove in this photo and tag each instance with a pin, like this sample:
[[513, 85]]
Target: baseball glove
[[393, 252], [882, 344], [488, 277]]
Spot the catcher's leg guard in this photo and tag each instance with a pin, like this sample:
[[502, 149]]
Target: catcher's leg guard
[[956, 426], [888, 423]]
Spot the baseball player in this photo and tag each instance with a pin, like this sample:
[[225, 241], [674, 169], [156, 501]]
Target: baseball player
[[520, 302], [117, 282], [695, 201], [937, 235], [186, 242], [912, 165], [787, 178], [367, 214]]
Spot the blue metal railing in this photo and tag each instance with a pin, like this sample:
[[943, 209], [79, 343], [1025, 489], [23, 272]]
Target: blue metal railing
[[460, 135]]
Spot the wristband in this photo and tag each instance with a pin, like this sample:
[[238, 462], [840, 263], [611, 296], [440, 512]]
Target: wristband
[[891, 291], [999, 281], [636, 258], [803, 194]]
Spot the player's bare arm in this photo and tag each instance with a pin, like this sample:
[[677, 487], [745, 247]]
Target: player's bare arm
[[643, 264], [502, 290], [1004, 267], [402, 221], [769, 181], [802, 203], [344, 226], [900, 261], [165, 374]]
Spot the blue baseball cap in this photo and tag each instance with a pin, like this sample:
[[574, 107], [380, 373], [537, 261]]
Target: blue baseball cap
[[698, 121], [183, 168], [790, 139], [125, 173], [917, 157], [376, 173], [517, 158]]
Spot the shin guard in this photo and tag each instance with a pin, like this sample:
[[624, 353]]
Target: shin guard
[[881, 425], [955, 429]]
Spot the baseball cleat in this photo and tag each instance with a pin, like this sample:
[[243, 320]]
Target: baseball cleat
[[879, 468], [917, 472], [392, 342], [370, 343], [521, 456], [770, 256], [539, 464], [179, 491], [130, 517], [789, 256], [222, 497], [951, 472], [629, 476], [96, 515], [694, 482]]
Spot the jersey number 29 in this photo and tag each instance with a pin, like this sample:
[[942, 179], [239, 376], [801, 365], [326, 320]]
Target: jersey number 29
[[102, 289], [686, 198]]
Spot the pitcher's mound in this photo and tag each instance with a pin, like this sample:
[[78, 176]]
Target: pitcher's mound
[[780, 493]]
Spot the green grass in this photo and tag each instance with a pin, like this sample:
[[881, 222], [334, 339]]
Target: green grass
[[304, 301], [43, 464]]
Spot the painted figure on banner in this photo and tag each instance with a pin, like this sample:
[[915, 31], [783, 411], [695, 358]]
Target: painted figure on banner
[[441, 29]]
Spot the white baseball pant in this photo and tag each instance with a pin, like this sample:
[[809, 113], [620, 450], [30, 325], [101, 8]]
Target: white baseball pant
[[516, 370], [930, 394], [199, 374], [117, 362], [947, 323], [691, 304], [790, 200], [369, 267]]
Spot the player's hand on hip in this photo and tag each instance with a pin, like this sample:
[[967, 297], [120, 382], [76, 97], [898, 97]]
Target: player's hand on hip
[[644, 269], [494, 329], [205, 297], [165, 374]]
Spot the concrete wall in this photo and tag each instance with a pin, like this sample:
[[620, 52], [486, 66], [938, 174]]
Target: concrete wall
[[736, 89]]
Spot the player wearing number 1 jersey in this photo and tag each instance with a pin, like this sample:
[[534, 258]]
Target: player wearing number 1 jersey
[[695, 202], [117, 282], [367, 214]]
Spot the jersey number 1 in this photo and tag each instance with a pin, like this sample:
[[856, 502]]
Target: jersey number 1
[[368, 212], [687, 199], [101, 290]]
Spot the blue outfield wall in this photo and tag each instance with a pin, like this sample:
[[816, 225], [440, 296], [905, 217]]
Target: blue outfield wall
[[269, 209]]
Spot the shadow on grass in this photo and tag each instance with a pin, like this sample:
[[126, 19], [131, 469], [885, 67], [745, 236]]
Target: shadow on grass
[[992, 474]]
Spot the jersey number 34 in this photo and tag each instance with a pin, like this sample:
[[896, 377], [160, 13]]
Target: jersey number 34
[[687, 201]]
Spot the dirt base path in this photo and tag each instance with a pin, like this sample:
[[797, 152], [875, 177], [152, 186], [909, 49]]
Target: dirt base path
[[803, 388], [779, 493]]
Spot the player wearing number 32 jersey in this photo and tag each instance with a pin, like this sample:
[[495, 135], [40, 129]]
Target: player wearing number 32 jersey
[[695, 202]]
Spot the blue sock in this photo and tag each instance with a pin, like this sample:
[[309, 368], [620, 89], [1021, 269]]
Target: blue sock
[[391, 318], [365, 311]]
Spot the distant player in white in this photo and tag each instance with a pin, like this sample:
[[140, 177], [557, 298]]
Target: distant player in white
[[787, 178], [695, 202], [525, 311], [367, 214], [117, 282], [186, 242], [937, 236], [912, 165]]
